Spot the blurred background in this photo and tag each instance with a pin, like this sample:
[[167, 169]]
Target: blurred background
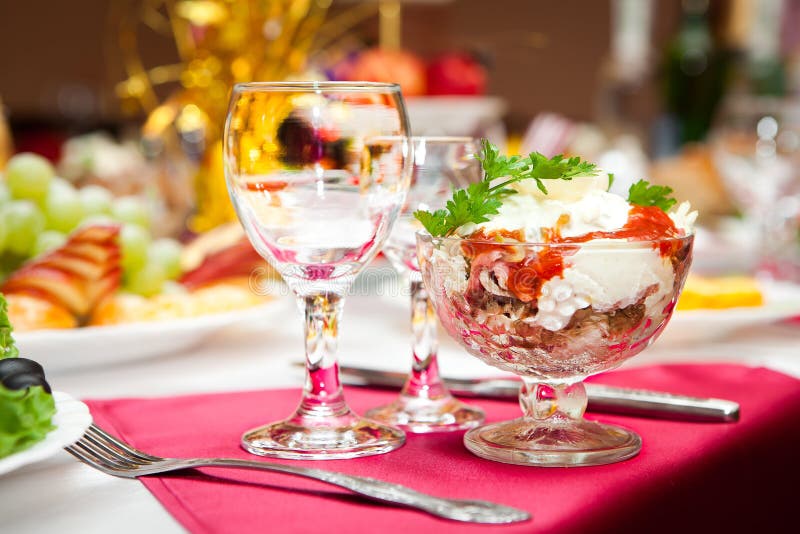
[[700, 95]]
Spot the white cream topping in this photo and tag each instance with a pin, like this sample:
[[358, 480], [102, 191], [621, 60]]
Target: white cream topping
[[682, 217], [565, 190], [604, 279], [584, 199], [597, 211]]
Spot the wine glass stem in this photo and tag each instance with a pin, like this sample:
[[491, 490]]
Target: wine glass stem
[[546, 402], [322, 393], [424, 380]]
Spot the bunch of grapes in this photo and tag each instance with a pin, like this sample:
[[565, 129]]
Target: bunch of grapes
[[38, 210]]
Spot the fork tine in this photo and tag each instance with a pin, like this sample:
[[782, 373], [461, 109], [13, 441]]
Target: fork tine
[[101, 434], [87, 456], [109, 449], [79, 453], [101, 455]]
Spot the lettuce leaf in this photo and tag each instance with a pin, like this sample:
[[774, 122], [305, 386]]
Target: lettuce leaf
[[25, 417]]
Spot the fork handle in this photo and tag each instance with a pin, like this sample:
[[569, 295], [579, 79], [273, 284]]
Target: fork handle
[[473, 511]]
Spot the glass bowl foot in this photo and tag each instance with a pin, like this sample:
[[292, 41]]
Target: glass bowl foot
[[419, 415], [347, 437], [564, 443]]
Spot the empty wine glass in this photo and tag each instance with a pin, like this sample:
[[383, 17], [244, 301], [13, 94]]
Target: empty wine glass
[[756, 149], [424, 404], [318, 172]]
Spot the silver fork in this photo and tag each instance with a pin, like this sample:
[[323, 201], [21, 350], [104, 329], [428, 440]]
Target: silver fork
[[114, 457]]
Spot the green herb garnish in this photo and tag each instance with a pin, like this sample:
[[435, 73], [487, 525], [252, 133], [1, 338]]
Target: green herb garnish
[[643, 194], [7, 347], [479, 200]]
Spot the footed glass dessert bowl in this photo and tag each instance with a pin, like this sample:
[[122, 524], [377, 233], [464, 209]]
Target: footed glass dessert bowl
[[554, 313]]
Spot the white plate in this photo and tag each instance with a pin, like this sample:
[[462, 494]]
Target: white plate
[[93, 346], [71, 420], [781, 301]]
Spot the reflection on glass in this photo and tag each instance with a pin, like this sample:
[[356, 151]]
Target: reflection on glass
[[756, 149]]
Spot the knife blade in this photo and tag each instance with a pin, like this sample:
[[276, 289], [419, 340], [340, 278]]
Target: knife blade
[[605, 399]]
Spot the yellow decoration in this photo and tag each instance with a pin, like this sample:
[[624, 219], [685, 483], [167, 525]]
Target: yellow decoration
[[219, 43], [702, 292], [5, 139], [210, 188]]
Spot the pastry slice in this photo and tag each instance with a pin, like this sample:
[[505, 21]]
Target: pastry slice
[[75, 276]]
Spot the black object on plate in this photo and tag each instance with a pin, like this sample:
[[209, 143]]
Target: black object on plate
[[13, 366], [25, 380]]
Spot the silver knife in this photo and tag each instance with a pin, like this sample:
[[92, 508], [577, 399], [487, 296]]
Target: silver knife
[[606, 399]]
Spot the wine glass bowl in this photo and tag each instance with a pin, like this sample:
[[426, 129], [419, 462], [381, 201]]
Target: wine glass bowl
[[755, 146], [314, 180], [424, 404], [317, 173], [553, 314], [440, 164]]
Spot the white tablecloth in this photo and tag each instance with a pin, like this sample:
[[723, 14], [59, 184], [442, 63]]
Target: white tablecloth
[[63, 495]]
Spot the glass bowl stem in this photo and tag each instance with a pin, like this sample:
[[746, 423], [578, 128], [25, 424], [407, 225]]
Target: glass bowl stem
[[424, 380]]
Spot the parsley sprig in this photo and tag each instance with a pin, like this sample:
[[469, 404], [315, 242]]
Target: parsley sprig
[[643, 194], [481, 199]]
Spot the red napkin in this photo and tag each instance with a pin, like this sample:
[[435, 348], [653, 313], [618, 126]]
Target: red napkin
[[688, 477]]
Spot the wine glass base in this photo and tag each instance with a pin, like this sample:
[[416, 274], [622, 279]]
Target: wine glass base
[[564, 443], [321, 440], [421, 416]]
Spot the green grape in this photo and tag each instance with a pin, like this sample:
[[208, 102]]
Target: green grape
[[5, 196], [167, 253], [28, 176], [63, 207], [95, 200], [98, 219], [9, 263], [3, 234], [146, 281], [131, 210], [59, 182], [134, 242], [24, 222], [47, 241]]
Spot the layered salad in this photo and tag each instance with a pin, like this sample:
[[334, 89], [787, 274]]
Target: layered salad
[[541, 270]]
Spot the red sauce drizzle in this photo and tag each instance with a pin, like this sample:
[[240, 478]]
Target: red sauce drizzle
[[526, 277], [645, 223], [481, 242], [271, 186]]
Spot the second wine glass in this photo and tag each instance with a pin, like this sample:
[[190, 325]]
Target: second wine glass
[[755, 146], [424, 404]]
